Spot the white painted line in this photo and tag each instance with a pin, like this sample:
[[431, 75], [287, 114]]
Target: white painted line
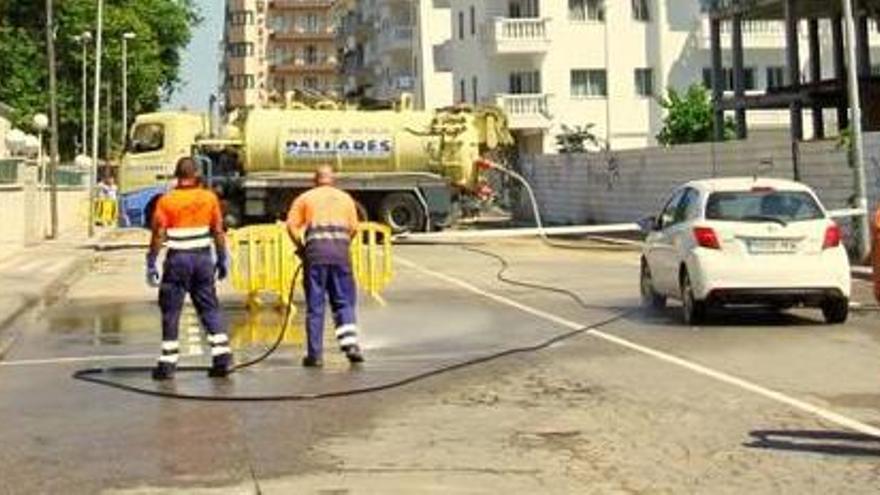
[[803, 406], [502, 233], [33, 362]]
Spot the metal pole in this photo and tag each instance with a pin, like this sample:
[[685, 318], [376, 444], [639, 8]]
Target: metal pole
[[124, 87], [85, 94], [717, 80], [96, 108], [858, 145], [53, 115], [739, 83]]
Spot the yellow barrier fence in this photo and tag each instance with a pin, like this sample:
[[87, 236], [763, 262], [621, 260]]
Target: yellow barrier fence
[[263, 261]]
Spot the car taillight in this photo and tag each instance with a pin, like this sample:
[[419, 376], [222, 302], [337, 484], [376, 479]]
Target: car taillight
[[833, 237], [706, 238]]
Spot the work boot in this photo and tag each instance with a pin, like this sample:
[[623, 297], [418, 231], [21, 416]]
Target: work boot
[[164, 371], [221, 366], [312, 362], [354, 355]]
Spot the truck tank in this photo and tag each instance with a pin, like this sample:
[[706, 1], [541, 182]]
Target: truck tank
[[445, 143]]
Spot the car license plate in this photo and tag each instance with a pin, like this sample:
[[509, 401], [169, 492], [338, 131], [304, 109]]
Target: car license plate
[[772, 246]]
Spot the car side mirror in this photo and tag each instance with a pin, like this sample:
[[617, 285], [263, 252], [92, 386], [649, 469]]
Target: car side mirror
[[649, 224]]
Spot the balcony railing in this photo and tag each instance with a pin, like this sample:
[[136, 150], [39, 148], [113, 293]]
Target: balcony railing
[[526, 110], [301, 4], [527, 35]]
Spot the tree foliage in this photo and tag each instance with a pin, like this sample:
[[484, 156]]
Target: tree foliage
[[163, 28], [577, 139], [689, 117]]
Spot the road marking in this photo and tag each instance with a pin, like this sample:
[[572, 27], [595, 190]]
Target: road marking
[[34, 362], [803, 406]]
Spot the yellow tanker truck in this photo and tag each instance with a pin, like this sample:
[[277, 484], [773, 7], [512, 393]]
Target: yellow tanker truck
[[409, 169]]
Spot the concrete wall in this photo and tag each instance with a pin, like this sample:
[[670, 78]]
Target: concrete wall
[[24, 212], [629, 185]]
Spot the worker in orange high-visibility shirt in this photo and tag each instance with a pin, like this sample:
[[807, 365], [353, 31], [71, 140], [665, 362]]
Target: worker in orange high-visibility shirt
[[875, 236], [188, 220], [322, 223]]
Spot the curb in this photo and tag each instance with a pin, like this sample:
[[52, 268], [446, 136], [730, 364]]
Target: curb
[[53, 290]]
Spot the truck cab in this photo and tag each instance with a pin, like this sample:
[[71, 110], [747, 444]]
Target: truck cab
[[155, 143]]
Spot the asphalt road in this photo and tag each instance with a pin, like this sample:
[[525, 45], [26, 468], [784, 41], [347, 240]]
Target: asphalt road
[[751, 402]]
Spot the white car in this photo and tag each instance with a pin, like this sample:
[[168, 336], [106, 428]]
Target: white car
[[745, 241]]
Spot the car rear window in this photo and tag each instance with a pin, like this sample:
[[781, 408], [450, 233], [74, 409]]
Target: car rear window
[[745, 206]]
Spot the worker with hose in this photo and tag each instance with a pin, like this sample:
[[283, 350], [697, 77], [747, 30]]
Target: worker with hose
[[188, 220], [321, 223]]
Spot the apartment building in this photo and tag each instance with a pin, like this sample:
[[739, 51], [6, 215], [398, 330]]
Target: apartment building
[[387, 48], [551, 63], [272, 47]]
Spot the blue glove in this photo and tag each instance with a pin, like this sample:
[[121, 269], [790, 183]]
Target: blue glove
[[221, 267], [153, 277]]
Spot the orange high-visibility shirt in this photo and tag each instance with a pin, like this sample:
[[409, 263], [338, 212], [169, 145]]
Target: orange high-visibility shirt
[[189, 215], [324, 218]]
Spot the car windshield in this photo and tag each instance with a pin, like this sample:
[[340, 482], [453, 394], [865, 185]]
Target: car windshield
[[147, 138], [763, 206]]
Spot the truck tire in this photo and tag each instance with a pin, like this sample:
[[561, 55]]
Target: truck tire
[[402, 212]]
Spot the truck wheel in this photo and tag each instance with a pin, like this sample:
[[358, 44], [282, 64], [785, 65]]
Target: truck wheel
[[402, 212]]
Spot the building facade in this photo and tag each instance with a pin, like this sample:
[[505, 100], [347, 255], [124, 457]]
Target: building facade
[[387, 49], [552, 63], [272, 47]]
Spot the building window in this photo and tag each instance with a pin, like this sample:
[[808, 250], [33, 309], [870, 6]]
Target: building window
[[462, 92], [474, 90], [241, 81], [473, 21], [310, 54], [727, 78], [644, 82], [589, 83], [461, 25], [640, 10], [239, 50], [310, 82], [311, 23], [586, 10], [525, 82], [775, 77], [241, 17]]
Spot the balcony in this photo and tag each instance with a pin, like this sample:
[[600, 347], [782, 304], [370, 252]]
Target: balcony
[[300, 4], [517, 36], [397, 38], [756, 35], [301, 65], [526, 111], [299, 34]]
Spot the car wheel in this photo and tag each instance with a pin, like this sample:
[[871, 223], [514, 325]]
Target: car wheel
[[836, 311], [650, 299], [693, 311]]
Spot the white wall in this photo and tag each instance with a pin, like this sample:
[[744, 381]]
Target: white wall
[[5, 127]]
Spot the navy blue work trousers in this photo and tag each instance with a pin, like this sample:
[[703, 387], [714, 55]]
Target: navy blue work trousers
[[189, 272], [336, 283]]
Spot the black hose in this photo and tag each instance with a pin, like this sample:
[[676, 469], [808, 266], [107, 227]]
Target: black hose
[[97, 375]]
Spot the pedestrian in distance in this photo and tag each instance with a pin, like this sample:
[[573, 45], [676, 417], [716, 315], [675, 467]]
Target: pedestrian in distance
[[188, 220], [322, 223], [875, 236]]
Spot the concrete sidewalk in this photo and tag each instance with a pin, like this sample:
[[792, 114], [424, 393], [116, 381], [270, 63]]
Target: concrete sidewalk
[[36, 275]]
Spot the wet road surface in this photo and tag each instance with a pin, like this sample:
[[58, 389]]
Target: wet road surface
[[587, 415]]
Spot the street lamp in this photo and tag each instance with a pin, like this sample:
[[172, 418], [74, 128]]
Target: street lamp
[[84, 39], [41, 123], [125, 38], [93, 176]]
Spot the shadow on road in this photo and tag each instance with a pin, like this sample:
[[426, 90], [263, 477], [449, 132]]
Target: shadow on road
[[727, 317], [816, 442]]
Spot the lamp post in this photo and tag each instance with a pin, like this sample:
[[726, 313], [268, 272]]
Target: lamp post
[[858, 144], [93, 176], [125, 39], [53, 112], [41, 123], [84, 39]]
